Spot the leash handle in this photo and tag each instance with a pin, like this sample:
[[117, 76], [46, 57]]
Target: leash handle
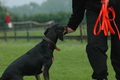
[[103, 20]]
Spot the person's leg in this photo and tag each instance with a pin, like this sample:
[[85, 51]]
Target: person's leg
[[96, 49], [115, 55], [115, 50]]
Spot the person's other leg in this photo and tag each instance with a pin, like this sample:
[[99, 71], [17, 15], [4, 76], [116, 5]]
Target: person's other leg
[[115, 49], [96, 48]]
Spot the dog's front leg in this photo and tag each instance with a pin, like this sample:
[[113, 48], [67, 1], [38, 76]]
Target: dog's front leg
[[37, 77], [46, 75], [45, 69]]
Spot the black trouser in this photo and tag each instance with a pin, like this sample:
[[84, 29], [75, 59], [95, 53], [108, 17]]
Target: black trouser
[[97, 47]]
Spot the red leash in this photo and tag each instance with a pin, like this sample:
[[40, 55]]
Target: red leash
[[104, 21]]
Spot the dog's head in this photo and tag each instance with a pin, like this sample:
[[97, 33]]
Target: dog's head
[[55, 31]]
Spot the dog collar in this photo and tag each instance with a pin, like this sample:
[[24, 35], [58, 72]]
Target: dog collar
[[51, 43]]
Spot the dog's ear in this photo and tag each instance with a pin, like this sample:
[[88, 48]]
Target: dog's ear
[[60, 35], [60, 32], [46, 31]]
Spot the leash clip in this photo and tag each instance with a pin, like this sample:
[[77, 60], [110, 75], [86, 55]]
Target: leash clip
[[104, 1]]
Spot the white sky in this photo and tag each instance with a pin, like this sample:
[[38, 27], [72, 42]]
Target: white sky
[[12, 3]]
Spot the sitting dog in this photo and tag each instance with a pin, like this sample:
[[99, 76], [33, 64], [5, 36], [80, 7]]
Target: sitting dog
[[38, 59]]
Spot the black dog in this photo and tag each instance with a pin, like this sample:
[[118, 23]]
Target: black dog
[[38, 59]]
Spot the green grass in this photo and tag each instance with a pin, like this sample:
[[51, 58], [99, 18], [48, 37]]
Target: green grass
[[70, 63]]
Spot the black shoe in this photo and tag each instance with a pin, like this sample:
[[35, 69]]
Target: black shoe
[[102, 79]]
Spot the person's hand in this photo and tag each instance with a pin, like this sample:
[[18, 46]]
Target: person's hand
[[69, 30]]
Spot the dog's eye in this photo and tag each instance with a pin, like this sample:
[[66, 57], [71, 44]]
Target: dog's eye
[[59, 30]]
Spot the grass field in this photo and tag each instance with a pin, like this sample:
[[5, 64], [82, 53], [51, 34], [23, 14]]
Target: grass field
[[70, 63]]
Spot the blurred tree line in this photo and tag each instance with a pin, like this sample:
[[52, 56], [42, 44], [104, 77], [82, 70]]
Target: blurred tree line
[[49, 6], [58, 17], [2, 14]]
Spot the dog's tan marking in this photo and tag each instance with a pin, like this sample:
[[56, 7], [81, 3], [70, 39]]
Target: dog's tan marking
[[42, 69], [52, 59], [65, 30]]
